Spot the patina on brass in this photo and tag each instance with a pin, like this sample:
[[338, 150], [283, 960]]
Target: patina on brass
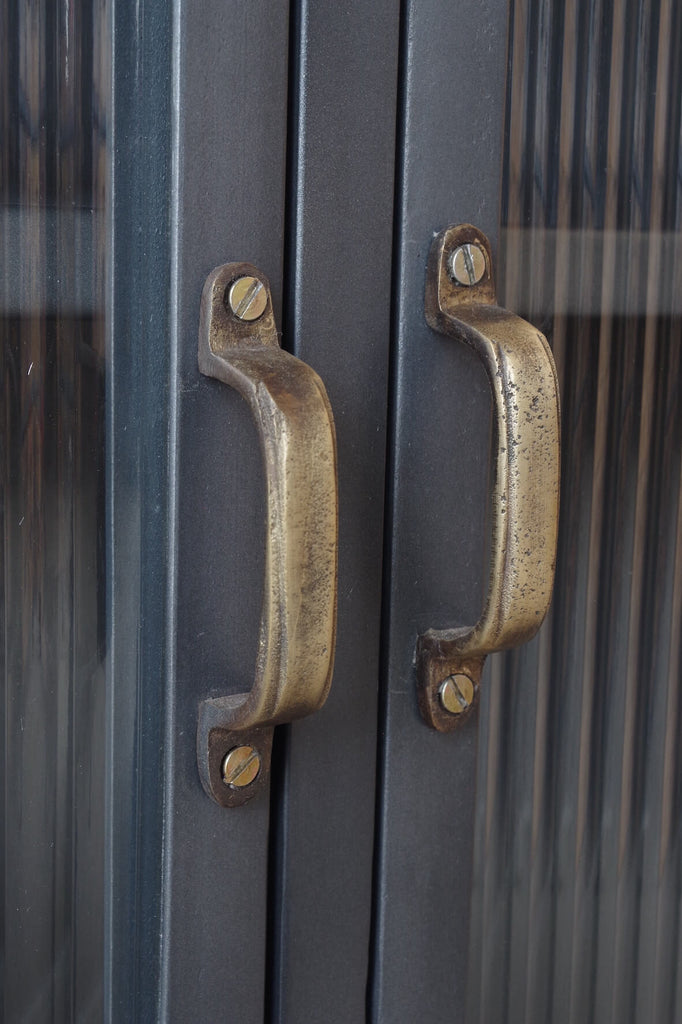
[[298, 622], [525, 490]]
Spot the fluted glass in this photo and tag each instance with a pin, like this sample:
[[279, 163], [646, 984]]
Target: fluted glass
[[54, 86], [576, 912]]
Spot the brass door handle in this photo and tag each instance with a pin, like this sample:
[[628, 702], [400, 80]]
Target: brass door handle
[[460, 302], [238, 345]]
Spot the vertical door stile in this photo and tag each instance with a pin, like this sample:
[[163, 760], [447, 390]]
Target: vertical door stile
[[451, 134], [137, 379], [231, 161], [199, 177], [337, 308]]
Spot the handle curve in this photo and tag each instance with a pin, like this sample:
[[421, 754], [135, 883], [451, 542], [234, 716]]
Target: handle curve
[[525, 491], [296, 432]]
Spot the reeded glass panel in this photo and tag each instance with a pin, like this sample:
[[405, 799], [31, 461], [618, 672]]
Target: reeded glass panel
[[576, 913], [54, 86]]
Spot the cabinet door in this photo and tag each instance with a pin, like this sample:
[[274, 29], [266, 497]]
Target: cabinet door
[[569, 908]]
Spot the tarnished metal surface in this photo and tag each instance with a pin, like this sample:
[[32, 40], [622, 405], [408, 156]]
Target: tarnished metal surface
[[296, 431], [240, 766], [457, 694], [467, 264], [525, 490], [215, 745]]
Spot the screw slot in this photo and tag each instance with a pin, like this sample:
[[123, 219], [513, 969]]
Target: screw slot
[[457, 694]]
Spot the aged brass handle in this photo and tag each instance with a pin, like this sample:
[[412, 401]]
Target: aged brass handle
[[460, 302], [238, 345]]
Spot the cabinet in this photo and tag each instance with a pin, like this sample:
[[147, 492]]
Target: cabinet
[[525, 867]]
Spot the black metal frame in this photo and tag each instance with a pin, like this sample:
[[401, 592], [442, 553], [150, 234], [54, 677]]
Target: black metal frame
[[199, 171], [450, 154], [202, 107]]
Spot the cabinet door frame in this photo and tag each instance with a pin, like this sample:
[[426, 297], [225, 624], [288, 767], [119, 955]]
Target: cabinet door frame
[[199, 157], [451, 133]]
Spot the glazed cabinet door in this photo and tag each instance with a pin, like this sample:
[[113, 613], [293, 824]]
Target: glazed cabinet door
[[528, 862]]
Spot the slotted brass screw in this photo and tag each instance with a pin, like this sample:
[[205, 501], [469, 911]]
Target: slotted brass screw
[[467, 264], [247, 298], [240, 766], [457, 694]]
